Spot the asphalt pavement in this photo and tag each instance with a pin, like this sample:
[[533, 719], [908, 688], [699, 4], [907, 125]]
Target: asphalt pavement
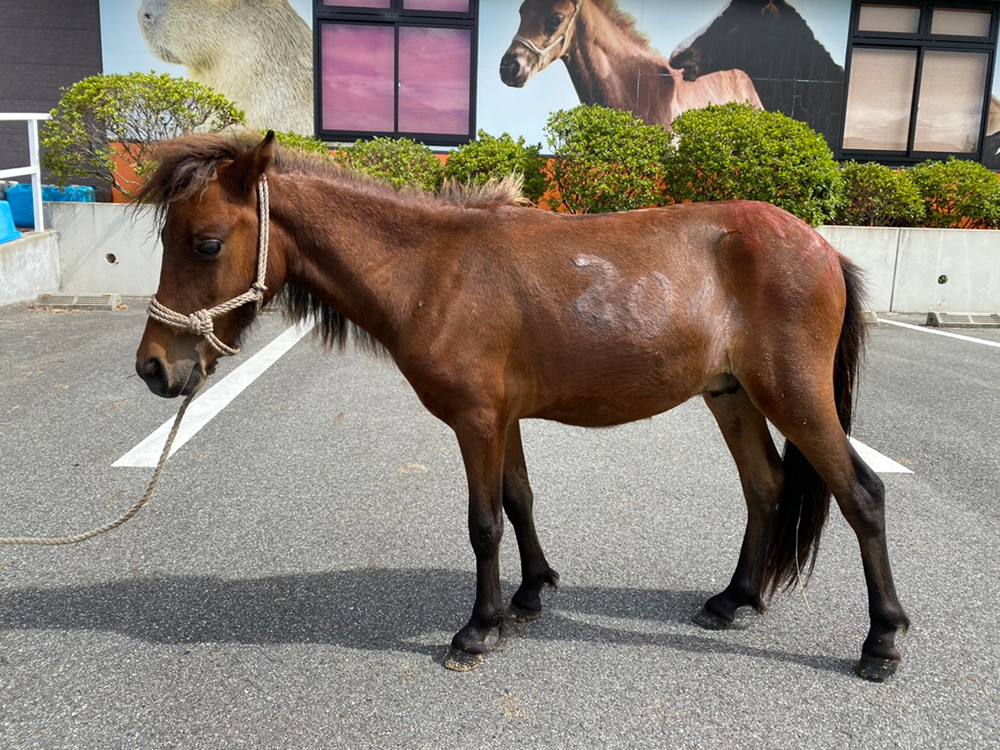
[[305, 562]]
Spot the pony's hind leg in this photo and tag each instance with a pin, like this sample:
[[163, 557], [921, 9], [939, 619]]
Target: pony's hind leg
[[518, 504], [746, 433], [860, 495]]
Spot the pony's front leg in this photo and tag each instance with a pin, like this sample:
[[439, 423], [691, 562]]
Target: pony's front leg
[[481, 440]]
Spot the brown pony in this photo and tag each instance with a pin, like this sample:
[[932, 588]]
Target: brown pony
[[497, 313], [610, 63]]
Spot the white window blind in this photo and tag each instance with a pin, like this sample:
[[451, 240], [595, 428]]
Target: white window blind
[[879, 99], [950, 104], [894, 19], [971, 23]]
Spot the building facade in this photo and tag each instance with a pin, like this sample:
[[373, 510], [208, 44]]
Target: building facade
[[897, 81]]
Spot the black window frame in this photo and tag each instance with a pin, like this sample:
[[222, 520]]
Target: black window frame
[[397, 17], [922, 42]]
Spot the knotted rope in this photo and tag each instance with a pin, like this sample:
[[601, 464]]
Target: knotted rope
[[199, 323]]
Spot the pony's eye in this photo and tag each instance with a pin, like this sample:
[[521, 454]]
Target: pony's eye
[[553, 23], [208, 248]]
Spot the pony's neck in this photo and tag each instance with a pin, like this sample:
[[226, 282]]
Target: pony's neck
[[608, 66], [356, 250]]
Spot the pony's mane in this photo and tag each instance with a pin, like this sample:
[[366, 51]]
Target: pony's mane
[[185, 165], [624, 21]]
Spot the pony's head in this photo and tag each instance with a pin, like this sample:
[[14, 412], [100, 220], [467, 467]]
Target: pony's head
[[205, 192], [544, 35]]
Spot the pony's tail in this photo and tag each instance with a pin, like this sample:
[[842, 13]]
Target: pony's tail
[[805, 501]]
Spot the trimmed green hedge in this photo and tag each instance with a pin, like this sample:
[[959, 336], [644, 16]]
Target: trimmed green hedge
[[491, 157], [878, 196], [734, 151], [135, 110], [605, 160], [958, 193], [299, 142], [401, 162]]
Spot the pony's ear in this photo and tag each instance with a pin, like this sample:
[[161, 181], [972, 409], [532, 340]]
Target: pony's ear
[[242, 175]]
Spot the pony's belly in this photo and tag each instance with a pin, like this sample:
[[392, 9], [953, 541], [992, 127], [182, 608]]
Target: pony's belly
[[603, 414], [614, 406]]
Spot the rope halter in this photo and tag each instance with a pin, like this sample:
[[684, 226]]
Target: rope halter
[[200, 322], [562, 39]]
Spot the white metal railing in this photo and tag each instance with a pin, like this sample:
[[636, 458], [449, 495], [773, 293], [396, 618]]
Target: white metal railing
[[34, 169]]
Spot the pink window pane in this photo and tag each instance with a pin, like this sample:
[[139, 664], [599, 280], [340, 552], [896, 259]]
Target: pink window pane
[[434, 73], [359, 3], [358, 68], [451, 6]]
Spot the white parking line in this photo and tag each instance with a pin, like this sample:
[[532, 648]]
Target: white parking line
[[937, 332], [213, 400], [879, 464]]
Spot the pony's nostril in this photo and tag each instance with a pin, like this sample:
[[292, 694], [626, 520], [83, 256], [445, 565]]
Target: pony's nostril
[[152, 371], [510, 66]]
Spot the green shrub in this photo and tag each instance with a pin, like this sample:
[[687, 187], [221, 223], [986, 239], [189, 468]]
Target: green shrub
[[299, 142], [400, 162], [134, 110], [876, 196], [605, 160], [491, 157], [734, 151], [958, 193]]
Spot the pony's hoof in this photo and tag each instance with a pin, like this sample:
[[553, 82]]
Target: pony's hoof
[[875, 668], [521, 615], [709, 621], [461, 661]]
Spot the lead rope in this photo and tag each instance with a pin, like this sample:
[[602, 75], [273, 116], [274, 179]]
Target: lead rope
[[199, 323], [56, 541]]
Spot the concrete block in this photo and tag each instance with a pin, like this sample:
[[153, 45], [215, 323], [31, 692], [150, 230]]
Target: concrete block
[[29, 266], [107, 247]]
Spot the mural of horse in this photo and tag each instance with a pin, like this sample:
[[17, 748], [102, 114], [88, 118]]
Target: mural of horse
[[792, 72], [610, 63], [497, 313]]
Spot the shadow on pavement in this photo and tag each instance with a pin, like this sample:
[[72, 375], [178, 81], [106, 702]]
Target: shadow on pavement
[[372, 609]]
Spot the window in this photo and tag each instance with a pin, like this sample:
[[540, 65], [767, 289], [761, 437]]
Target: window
[[918, 79], [396, 68]]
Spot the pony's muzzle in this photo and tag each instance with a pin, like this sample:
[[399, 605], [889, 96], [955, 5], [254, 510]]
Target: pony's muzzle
[[181, 379], [515, 68]]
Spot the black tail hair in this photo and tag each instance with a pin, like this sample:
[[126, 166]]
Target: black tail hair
[[805, 501]]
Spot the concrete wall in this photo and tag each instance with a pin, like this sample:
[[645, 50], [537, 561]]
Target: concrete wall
[[109, 248], [874, 250], [106, 248], [969, 258], [904, 267], [28, 267]]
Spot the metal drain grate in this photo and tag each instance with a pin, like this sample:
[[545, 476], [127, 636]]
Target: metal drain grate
[[870, 318], [963, 320], [80, 301]]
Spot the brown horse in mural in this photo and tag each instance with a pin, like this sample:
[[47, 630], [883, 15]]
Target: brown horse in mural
[[610, 63], [496, 313]]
